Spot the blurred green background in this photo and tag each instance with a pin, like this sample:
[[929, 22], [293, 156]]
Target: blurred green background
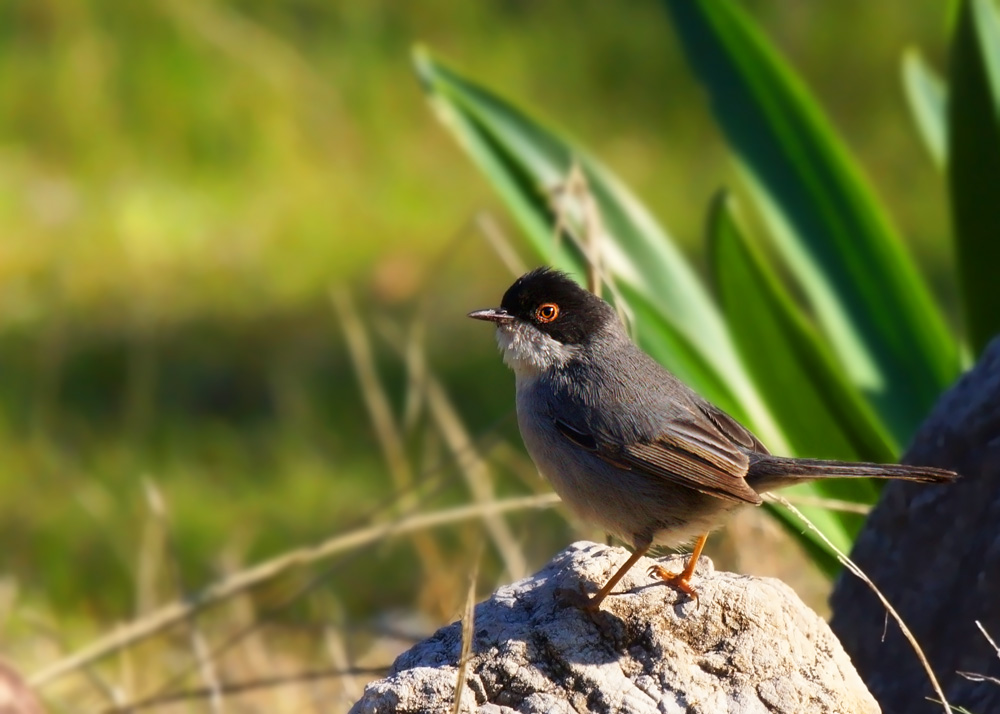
[[182, 184]]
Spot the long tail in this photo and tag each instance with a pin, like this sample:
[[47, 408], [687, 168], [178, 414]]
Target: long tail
[[767, 471]]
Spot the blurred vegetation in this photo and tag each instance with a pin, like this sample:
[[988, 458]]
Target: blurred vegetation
[[182, 183]]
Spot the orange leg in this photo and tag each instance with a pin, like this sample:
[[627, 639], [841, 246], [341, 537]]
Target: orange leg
[[682, 581], [594, 603]]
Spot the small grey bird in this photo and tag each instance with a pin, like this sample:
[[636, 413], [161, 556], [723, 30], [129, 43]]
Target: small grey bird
[[623, 442]]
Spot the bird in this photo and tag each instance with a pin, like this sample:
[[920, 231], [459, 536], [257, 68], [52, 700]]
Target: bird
[[627, 445]]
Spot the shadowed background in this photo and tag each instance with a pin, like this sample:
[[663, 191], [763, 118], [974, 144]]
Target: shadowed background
[[183, 183]]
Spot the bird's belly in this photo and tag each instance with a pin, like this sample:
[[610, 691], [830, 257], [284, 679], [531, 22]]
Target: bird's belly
[[628, 504], [588, 486]]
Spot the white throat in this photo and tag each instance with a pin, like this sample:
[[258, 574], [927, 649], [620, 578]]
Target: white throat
[[529, 351]]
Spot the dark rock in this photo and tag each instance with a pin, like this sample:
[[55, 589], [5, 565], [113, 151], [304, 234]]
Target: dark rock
[[934, 552]]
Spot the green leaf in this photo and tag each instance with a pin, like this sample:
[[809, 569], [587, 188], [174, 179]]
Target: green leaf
[[679, 322], [974, 165], [823, 414], [868, 298], [926, 94]]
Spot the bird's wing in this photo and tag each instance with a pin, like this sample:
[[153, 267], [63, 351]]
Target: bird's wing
[[696, 454], [731, 428]]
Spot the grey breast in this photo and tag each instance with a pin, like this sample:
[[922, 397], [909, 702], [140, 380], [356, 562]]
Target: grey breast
[[625, 397]]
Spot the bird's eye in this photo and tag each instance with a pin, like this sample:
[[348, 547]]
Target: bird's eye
[[547, 312]]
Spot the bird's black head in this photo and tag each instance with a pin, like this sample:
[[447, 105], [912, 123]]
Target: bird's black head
[[553, 303]]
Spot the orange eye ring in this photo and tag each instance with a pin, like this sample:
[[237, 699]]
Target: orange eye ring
[[547, 312]]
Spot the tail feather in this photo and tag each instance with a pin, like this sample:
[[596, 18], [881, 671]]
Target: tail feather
[[767, 469]]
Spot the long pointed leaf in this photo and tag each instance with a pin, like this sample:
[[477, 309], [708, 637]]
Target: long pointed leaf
[[974, 165], [926, 95], [524, 160], [868, 297], [823, 414]]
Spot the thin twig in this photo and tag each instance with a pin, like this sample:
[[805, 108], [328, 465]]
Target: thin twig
[[988, 638], [468, 628], [973, 676], [850, 565], [831, 504], [226, 588]]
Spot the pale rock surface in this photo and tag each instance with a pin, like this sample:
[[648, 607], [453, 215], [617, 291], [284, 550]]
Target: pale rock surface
[[750, 646]]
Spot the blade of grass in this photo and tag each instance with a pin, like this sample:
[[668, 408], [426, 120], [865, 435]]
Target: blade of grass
[[465, 452], [336, 649], [974, 165], [868, 297], [468, 630], [823, 413], [926, 95], [383, 422], [200, 650], [500, 244]]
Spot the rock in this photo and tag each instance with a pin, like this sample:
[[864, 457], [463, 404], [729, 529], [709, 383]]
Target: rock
[[749, 646], [934, 552]]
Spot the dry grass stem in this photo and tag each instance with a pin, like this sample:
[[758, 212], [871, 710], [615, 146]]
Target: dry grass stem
[[850, 565], [152, 549], [466, 454], [336, 649], [171, 614], [416, 374], [988, 638], [199, 646], [463, 449], [372, 391], [468, 628], [972, 676], [206, 669], [500, 243], [594, 243], [387, 431], [572, 201], [831, 504]]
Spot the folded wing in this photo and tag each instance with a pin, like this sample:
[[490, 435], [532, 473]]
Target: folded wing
[[702, 452]]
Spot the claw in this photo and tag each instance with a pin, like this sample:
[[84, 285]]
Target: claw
[[681, 581], [658, 571]]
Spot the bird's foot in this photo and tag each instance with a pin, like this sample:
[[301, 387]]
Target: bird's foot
[[681, 581]]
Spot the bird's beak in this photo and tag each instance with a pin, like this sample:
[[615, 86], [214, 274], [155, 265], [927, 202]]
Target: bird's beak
[[492, 314]]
